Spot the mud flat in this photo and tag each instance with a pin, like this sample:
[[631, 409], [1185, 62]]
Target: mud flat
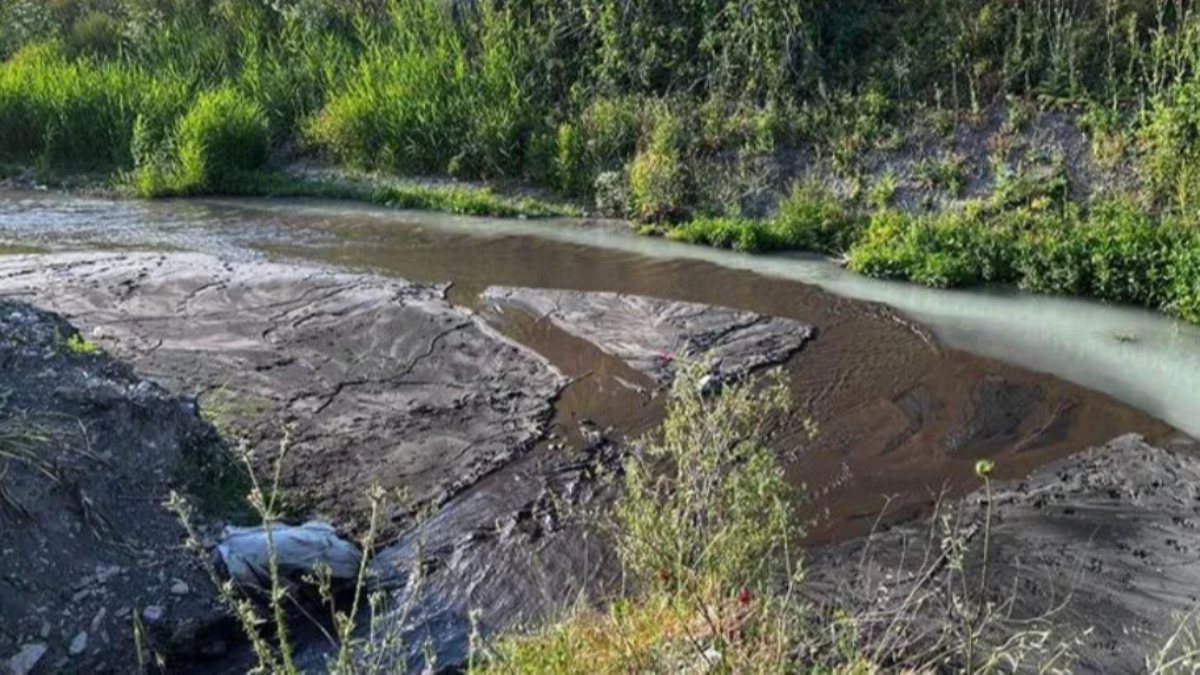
[[1101, 545]]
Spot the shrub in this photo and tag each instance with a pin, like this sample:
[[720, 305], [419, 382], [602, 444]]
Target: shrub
[[1170, 146], [1183, 281], [947, 173], [813, 219], [602, 140], [742, 234], [1130, 253], [1053, 258], [956, 248], [1037, 186], [96, 34], [658, 183], [55, 110], [220, 137], [884, 249], [221, 134], [705, 500]]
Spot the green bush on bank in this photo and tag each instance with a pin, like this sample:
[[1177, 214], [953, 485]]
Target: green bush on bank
[[810, 219], [222, 136], [1114, 252]]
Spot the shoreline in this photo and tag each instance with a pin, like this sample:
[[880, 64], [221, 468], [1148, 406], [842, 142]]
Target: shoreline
[[961, 246]]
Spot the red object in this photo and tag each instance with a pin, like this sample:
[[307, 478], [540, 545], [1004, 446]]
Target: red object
[[664, 574], [744, 596]]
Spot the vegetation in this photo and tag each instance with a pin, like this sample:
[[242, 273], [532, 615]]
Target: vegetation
[[707, 534], [682, 115], [77, 345]]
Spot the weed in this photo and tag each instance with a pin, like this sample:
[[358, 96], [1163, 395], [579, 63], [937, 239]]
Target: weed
[[882, 193], [78, 345]]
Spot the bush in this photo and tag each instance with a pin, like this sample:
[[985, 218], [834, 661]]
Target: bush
[[813, 219], [1130, 254], [1183, 286], [742, 234], [96, 34], [947, 173], [1053, 258], [54, 110], [601, 141], [705, 529], [884, 250], [222, 136], [223, 133], [658, 183], [1170, 146], [956, 248]]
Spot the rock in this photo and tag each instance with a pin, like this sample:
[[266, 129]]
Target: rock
[[179, 587], [298, 551], [27, 659], [78, 643], [650, 334], [153, 614]]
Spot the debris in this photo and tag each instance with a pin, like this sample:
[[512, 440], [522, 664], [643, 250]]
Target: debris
[[152, 613], [298, 550]]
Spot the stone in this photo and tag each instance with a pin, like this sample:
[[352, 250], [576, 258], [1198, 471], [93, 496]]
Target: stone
[[27, 659], [1105, 539], [179, 587], [153, 613], [383, 378], [78, 643]]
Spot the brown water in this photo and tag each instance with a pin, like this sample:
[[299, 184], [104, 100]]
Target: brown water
[[900, 419]]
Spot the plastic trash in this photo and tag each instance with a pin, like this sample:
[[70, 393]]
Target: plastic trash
[[298, 551]]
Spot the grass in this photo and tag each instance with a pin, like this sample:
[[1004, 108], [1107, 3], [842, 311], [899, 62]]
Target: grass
[[459, 199], [1114, 251], [707, 536]]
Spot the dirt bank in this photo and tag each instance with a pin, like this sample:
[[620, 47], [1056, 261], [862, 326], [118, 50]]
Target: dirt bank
[[88, 453]]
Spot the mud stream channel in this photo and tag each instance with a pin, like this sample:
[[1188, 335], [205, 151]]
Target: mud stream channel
[[905, 386]]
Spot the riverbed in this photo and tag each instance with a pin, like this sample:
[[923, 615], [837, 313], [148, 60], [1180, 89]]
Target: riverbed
[[898, 389], [906, 386]]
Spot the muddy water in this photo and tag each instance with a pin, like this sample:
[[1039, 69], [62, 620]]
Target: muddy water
[[902, 409]]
